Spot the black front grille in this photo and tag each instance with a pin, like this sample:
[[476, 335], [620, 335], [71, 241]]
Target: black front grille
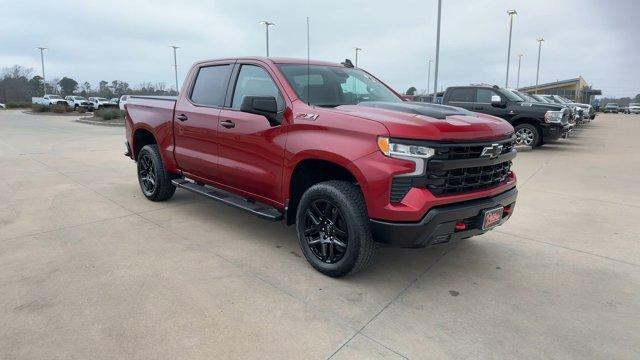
[[467, 179], [459, 152], [458, 168]]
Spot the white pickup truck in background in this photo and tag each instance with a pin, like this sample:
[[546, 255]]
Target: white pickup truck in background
[[49, 100]]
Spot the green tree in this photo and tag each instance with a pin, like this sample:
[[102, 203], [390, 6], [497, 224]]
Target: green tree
[[104, 90], [36, 86], [411, 91], [68, 86]]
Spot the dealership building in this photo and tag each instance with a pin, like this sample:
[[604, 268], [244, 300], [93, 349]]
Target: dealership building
[[576, 89]]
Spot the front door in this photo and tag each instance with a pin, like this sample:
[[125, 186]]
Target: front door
[[251, 149], [196, 121], [483, 104]]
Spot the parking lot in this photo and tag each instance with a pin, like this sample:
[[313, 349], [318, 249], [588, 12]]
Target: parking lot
[[90, 269]]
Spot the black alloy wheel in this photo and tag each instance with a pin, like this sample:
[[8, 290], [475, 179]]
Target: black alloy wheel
[[326, 231], [147, 174], [155, 181]]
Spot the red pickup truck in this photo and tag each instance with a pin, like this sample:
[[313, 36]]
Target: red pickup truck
[[329, 148]]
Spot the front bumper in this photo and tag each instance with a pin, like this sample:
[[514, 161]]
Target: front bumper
[[439, 224], [554, 131]]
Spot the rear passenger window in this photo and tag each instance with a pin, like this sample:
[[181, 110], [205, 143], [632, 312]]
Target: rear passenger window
[[463, 95], [211, 85], [484, 95]]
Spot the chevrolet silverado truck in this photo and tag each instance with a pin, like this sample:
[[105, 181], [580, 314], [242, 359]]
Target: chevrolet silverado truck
[[534, 123], [329, 148]]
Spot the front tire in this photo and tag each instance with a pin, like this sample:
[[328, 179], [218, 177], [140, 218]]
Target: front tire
[[528, 135], [154, 180], [333, 228]]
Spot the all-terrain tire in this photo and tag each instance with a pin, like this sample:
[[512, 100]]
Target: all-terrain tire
[[348, 200], [151, 170]]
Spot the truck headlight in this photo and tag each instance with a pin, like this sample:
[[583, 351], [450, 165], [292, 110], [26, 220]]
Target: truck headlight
[[553, 116], [393, 148]]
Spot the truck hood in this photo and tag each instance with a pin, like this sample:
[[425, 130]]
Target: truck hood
[[424, 121], [545, 106]]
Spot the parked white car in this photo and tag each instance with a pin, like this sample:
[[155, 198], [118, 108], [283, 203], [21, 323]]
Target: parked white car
[[634, 108], [98, 103], [2, 106], [49, 100], [123, 101], [78, 101]]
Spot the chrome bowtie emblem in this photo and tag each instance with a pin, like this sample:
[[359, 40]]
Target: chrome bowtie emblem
[[491, 152]]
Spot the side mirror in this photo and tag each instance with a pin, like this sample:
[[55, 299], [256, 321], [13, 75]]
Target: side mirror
[[496, 101], [261, 105]]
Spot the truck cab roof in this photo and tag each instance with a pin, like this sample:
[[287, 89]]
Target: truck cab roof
[[274, 60]]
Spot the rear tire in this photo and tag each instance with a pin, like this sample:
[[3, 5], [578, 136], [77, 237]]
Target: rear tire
[[333, 228], [154, 180], [528, 135]]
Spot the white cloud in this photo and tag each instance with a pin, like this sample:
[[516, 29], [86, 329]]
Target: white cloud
[[128, 40]]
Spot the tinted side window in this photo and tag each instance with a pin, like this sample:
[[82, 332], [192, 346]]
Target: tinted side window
[[255, 81], [463, 95], [211, 85], [484, 95]]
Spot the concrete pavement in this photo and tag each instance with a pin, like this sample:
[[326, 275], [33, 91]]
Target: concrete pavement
[[89, 269]]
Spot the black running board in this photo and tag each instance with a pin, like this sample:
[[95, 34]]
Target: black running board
[[261, 210]]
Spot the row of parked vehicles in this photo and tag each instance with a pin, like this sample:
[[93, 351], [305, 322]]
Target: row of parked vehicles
[[75, 101], [536, 118], [633, 108]]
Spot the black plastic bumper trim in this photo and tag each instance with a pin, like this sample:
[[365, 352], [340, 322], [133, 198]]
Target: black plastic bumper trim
[[438, 225]]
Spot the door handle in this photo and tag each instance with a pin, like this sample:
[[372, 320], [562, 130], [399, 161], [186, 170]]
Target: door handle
[[228, 124], [182, 117]]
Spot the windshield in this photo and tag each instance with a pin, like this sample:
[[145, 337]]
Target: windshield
[[101, 99], [552, 100], [565, 100], [611, 105], [511, 96], [79, 98], [539, 98], [323, 85], [54, 97], [525, 96]]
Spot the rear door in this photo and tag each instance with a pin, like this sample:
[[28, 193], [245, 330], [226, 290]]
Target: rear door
[[462, 97], [196, 120]]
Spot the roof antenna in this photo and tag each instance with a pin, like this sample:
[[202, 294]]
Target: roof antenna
[[308, 71]]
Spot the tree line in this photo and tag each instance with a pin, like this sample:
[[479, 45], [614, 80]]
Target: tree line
[[18, 84]]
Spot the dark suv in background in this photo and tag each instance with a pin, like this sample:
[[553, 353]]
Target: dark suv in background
[[534, 123]]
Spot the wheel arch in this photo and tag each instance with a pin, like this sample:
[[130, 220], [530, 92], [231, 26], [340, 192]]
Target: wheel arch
[[141, 137], [310, 171]]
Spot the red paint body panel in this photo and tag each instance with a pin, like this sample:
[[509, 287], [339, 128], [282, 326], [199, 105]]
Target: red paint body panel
[[257, 160]]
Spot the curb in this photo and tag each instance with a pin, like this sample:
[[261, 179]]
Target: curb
[[100, 123]]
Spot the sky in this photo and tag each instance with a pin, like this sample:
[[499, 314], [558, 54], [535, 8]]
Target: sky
[[129, 40]]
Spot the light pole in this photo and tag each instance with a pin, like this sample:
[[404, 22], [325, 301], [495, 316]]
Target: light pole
[[435, 75], [44, 83], [175, 64], [267, 24], [540, 41], [512, 14], [356, 50], [519, 61], [429, 76]]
